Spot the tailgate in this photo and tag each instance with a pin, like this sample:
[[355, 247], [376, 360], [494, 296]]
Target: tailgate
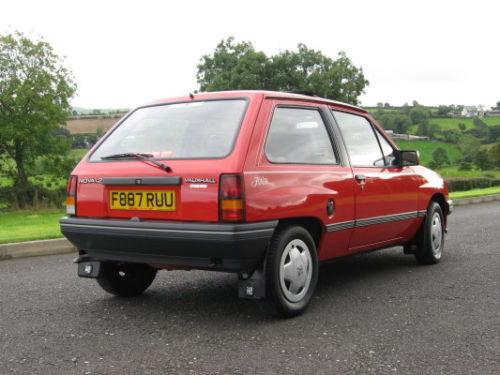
[[116, 193]]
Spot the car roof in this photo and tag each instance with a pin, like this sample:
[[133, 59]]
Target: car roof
[[257, 93]]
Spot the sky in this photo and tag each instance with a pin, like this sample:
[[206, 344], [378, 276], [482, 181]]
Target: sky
[[127, 53]]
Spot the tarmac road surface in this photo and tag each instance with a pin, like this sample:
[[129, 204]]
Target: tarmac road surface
[[378, 313]]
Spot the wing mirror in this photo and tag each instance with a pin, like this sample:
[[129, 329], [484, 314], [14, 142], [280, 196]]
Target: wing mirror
[[405, 158]]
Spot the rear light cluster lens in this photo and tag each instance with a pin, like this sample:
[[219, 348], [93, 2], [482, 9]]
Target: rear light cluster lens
[[232, 204], [71, 195]]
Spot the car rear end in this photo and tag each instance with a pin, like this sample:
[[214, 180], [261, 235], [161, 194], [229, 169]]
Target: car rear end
[[164, 187]]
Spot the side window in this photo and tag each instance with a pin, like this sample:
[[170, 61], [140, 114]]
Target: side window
[[298, 136], [387, 150], [361, 141]]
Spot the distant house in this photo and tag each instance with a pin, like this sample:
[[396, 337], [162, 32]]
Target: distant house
[[473, 111], [469, 111], [493, 113]]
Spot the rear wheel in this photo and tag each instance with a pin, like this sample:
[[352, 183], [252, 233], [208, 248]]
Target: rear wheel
[[125, 279], [291, 270], [430, 241]]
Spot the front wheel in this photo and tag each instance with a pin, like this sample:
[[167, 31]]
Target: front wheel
[[430, 241], [125, 279], [291, 270]]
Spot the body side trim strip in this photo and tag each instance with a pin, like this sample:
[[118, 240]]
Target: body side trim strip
[[422, 213], [374, 221]]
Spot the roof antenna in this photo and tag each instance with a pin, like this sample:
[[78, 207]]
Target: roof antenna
[[191, 95]]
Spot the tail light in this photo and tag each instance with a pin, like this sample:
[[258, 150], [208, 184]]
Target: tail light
[[71, 195], [231, 200]]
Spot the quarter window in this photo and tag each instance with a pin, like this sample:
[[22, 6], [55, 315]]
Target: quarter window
[[298, 136], [387, 150], [361, 141]]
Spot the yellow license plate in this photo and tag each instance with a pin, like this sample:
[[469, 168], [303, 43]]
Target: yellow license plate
[[142, 200]]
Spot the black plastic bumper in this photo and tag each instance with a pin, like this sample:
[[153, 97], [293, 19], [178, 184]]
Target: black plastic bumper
[[222, 247]]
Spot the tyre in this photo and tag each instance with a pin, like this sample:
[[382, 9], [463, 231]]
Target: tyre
[[125, 279], [291, 270], [430, 240]]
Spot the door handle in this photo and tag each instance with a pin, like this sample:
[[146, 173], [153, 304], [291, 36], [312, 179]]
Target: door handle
[[360, 177]]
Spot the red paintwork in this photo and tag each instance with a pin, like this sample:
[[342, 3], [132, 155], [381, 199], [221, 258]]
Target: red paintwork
[[278, 191]]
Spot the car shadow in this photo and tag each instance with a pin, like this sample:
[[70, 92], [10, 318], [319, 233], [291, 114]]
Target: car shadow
[[343, 273], [207, 297]]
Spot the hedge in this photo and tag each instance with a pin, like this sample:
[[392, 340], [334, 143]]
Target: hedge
[[469, 183], [36, 196]]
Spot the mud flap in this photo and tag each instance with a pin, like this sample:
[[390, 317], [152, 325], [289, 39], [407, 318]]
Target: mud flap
[[89, 269], [253, 287]]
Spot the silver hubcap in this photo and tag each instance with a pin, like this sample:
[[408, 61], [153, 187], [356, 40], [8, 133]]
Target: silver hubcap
[[436, 235], [295, 270]]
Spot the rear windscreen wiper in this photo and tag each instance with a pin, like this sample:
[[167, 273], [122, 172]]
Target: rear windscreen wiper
[[141, 156]]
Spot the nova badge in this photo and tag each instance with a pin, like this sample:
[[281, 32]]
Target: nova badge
[[97, 180]]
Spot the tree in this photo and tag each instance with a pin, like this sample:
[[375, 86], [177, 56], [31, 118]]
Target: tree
[[451, 136], [433, 130], [401, 123], [419, 113], [494, 132], [443, 110], [481, 160], [396, 121], [423, 127], [35, 89], [494, 154], [469, 146], [440, 156], [238, 66], [481, 127], [233, 66]]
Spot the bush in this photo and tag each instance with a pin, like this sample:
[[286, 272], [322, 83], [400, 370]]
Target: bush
[[465, 166], [469, 183]]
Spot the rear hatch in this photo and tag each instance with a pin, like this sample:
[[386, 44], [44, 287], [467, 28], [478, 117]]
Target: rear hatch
[[164, 162]]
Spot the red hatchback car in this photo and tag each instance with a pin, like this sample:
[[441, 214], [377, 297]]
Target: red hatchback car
[[262, 184]]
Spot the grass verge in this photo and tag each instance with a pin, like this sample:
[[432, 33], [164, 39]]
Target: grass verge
[[19, 226], [475, 193]]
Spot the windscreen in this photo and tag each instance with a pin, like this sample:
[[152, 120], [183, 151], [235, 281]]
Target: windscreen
[[191, 130]]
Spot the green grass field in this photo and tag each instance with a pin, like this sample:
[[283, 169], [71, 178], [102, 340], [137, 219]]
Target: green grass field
[[452, 123], [78, 153], [426, 148], [30, 225]]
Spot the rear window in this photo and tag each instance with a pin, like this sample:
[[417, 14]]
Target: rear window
[[200, 130]]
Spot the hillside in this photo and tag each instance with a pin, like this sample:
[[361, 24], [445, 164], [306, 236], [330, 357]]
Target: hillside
[[90, 124], [426, 148]]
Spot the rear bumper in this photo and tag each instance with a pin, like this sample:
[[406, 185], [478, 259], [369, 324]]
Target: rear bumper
[[222, 247]]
